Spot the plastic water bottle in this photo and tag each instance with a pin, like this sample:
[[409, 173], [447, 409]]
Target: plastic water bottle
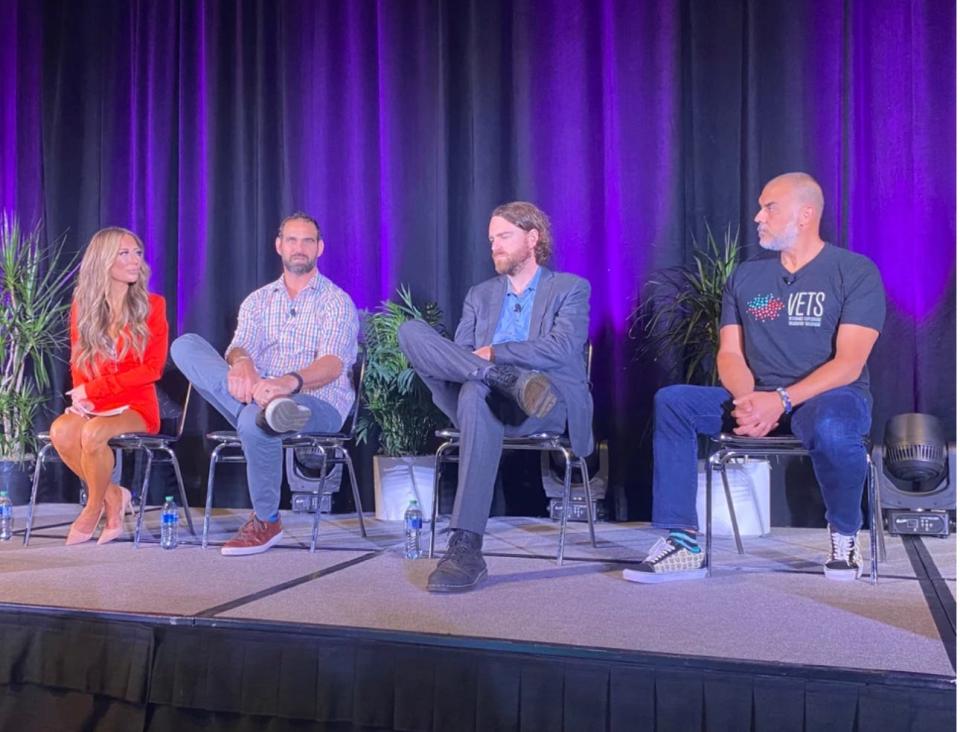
[[169, 524], [6, 517], [412, 524]]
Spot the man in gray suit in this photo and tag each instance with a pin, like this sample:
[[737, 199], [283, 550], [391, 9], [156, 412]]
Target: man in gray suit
[[516, 367]]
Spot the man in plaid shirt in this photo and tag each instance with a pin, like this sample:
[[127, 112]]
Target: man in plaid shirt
[[287, 369]]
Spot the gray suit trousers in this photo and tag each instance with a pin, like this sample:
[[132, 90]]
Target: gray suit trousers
[[483, 418]]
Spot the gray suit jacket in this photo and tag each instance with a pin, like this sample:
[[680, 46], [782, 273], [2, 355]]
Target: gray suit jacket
[[556, 345]]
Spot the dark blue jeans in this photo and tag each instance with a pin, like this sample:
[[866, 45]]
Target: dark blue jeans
[[831, 426]]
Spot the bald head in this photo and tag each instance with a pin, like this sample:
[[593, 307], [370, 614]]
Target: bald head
[[804, 190]]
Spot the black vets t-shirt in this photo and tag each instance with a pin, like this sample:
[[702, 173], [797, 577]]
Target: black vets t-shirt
[[790, 321]]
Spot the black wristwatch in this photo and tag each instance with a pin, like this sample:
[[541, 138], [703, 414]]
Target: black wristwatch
[[299, 379]]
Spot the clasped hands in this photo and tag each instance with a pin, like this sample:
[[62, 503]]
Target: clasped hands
[[245, 384], [757, 413]]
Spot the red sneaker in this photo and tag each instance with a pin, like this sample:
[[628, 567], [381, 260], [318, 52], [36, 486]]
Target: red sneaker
[[254, 537]]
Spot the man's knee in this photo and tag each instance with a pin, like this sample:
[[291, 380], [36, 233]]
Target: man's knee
[[410, 332], [838, 422], [672, 398], [833, 432], [182, 347]]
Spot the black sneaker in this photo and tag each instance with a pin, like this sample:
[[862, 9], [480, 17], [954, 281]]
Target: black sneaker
[[845, 562], [676, 557], [282, 415], [531, 390], [462, 568]]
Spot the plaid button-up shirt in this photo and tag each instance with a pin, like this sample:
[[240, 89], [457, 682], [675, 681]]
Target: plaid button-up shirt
[[282, 334]]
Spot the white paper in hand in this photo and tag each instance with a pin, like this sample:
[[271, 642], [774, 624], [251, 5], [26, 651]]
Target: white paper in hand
[[103, 412]]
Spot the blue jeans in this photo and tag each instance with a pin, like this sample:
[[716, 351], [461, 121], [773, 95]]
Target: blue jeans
[[207, 371], [831, 427]]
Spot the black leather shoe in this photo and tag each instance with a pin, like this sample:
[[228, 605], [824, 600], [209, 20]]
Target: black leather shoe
[[531, 390], [462, 568]]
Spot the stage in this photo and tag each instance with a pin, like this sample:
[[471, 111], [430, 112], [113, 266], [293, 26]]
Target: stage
[[347, 638]]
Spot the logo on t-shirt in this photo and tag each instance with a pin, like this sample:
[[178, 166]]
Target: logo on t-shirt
[[765, 307], [805, 308]]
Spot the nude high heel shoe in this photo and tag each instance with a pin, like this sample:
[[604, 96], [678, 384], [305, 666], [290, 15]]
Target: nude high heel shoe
[[108, 535], [75, 536]]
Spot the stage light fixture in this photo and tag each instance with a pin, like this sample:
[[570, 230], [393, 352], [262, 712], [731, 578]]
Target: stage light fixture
[[916, 469]]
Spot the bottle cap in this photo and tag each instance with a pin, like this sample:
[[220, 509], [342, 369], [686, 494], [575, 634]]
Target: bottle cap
[[168, 498], [3, 494]]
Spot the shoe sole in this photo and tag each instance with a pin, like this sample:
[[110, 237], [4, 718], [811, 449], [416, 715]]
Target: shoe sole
[[654, 578], [843, 575], [243, 551], [285, 415], [538, 396], [458, 588]]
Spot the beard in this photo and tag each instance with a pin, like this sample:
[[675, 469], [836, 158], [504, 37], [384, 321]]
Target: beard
[[511, 265], [786, 240], [299, 266]]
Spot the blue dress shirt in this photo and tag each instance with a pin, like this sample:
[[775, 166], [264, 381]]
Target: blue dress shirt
[[514, 322]]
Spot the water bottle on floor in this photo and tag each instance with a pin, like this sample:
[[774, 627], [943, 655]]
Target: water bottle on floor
[[412, 524], [6, 517], [169, 524]]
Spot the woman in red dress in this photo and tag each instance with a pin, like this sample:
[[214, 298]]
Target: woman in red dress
[[118, 348]]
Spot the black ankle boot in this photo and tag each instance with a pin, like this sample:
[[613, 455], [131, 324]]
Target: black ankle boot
[[531, 390], [462, 568]]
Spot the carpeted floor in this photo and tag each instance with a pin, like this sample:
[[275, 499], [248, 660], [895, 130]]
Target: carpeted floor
[[770, 605]]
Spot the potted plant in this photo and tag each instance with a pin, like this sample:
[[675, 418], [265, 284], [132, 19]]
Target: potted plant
[[35, 282], [399, 408], [678, 318]]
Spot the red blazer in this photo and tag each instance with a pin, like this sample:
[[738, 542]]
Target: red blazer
[[129, 381]]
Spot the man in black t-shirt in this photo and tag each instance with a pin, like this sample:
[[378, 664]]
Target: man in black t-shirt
[[795, 334]]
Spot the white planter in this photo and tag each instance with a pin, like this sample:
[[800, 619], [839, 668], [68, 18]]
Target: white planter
[[750, 491], [399, 480]]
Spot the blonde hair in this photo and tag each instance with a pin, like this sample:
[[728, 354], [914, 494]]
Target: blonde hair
[[528, 217], [94, 314]]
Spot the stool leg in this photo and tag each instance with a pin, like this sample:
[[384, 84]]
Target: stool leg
[[730, 509], [567, 479], [584, 473], [875, 529], [708, 508], [208, 505], [346, 460], [183, 493], [144, 488], [41, 457], [441, 451], [316, 514]]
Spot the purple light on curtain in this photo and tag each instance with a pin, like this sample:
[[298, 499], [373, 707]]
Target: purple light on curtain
[[193, 159], [386, 148], [902, 183], [599, 151], [20, 128]]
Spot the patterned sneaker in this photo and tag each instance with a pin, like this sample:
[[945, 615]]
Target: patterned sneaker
[[254, 537], [677, 557], [845, 562]]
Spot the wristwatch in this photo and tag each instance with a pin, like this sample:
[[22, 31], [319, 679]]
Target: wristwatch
[[299, 379]]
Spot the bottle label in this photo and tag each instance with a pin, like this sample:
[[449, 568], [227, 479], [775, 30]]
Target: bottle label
[[415, 522], [6, 511], [169, 518]]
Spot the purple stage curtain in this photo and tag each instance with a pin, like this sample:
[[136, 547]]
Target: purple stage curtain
[[400, 125]]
